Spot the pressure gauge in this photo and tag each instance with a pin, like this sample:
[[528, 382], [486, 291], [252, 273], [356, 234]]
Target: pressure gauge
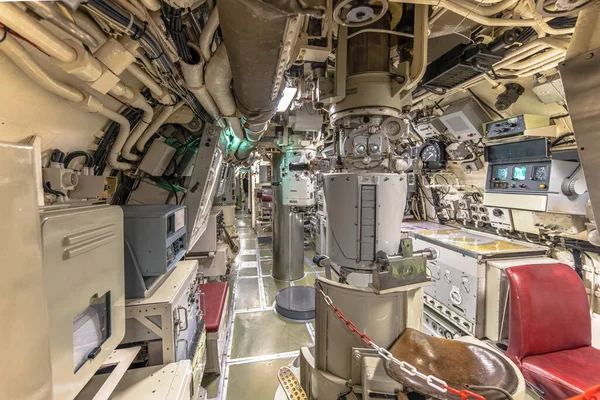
[[433, 156]]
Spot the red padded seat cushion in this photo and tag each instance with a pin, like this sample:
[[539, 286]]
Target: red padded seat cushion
[[563, 374], [267, 198], [216, 293]]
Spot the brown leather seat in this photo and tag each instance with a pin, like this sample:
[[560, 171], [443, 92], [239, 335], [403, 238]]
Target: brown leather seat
[[457, 363]]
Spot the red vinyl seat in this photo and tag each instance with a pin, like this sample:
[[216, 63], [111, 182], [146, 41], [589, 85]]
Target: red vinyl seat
[[550, 332], [267, 198], [216, 294]]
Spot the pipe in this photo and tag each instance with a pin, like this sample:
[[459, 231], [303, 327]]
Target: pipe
[[458, 7], [193, 74], [51, 13], [520, 58], [157, 90], [140, 128], [152, 5], [421, 30], [218, 81], [208, 33], [124, 129], [157, 123], [13, 50], [236, 127], [28, 27], [88, 25], [123, 91]]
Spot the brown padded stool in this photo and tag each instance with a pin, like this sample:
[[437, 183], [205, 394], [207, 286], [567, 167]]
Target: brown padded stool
[[457, 363]]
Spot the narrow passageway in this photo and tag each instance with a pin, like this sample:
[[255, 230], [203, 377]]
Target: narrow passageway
[[259, 341]]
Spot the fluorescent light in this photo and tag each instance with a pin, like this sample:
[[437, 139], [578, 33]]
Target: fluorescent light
[[288, 95]]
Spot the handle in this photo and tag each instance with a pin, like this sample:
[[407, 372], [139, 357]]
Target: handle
[[202, 304], [179, 319]]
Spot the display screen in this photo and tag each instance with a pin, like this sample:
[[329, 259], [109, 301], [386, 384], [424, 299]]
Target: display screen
[[519, 173], [501, 173]]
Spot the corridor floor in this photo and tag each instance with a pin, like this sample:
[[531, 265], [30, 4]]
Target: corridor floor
[[259, 341]]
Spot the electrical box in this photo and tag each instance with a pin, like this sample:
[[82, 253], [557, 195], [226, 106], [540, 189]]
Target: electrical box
[[155, 240], [61, 179], [94, 187], [83, 278], [157, 159], [520, 125], [211, 237], [429, 129], [465, 120]]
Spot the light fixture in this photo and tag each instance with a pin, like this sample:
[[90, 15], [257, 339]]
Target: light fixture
[[286, 100]]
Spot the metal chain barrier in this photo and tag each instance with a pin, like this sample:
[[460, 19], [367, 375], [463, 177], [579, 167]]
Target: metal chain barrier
[[433, 381]]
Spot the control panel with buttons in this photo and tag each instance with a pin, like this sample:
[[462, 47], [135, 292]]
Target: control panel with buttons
[[529, 177], [514, 126]]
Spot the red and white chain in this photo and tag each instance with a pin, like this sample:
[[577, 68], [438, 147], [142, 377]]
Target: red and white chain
[[433, 381]]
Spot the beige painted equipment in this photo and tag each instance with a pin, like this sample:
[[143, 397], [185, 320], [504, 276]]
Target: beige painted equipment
[[26, 372], [82, 250], [165, 382], [169, 322]]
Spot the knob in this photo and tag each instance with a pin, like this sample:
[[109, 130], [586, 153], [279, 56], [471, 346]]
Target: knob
[[577, 186], [522, 185], [513, 186], [498, 212]]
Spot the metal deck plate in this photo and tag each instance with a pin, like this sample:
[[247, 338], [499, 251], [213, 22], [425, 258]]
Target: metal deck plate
[[263, 332], [247, 294]]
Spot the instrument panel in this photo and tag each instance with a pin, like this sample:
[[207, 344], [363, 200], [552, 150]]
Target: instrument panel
[[521, 177]]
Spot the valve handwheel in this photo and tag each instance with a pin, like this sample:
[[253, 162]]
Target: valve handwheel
[[354, 14]]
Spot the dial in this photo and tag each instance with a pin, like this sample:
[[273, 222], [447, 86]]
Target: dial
[[540, 173], [433, 156]]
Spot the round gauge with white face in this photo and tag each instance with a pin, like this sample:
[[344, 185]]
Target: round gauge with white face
[[540, 173], [433, 156]]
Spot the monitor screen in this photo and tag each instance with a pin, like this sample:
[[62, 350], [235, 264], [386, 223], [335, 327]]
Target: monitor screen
[[519, 173]]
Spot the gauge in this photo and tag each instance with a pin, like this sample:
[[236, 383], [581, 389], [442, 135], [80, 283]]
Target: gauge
[[540, 173], [433, 156]]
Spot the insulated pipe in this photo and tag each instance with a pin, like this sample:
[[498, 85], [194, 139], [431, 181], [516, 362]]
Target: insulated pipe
[[140, 128], [88, 25], [421, 30], [13, 50], [157, 123], [152, 5], [208, 33], [218, 81], [513, 59], [50, 12], [193, 74], [28, 27], [236, 126], [463, 11], [157, 90], [124, 129]]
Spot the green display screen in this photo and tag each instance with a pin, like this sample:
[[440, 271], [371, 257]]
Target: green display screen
[[519, 173], [501, 173]]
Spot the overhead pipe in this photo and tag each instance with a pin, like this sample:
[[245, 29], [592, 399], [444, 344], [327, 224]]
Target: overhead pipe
[[193, 74], [156, 124], [470, 11], [140, 128], [218, 81], [15, 51], [28, 27], [207, 34], [421, 30], [91, 27], [50, 12], [253, 32]]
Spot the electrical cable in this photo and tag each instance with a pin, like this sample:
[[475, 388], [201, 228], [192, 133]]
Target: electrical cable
[[174, 192], [560, 138], [89, 159], [48, 189]]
